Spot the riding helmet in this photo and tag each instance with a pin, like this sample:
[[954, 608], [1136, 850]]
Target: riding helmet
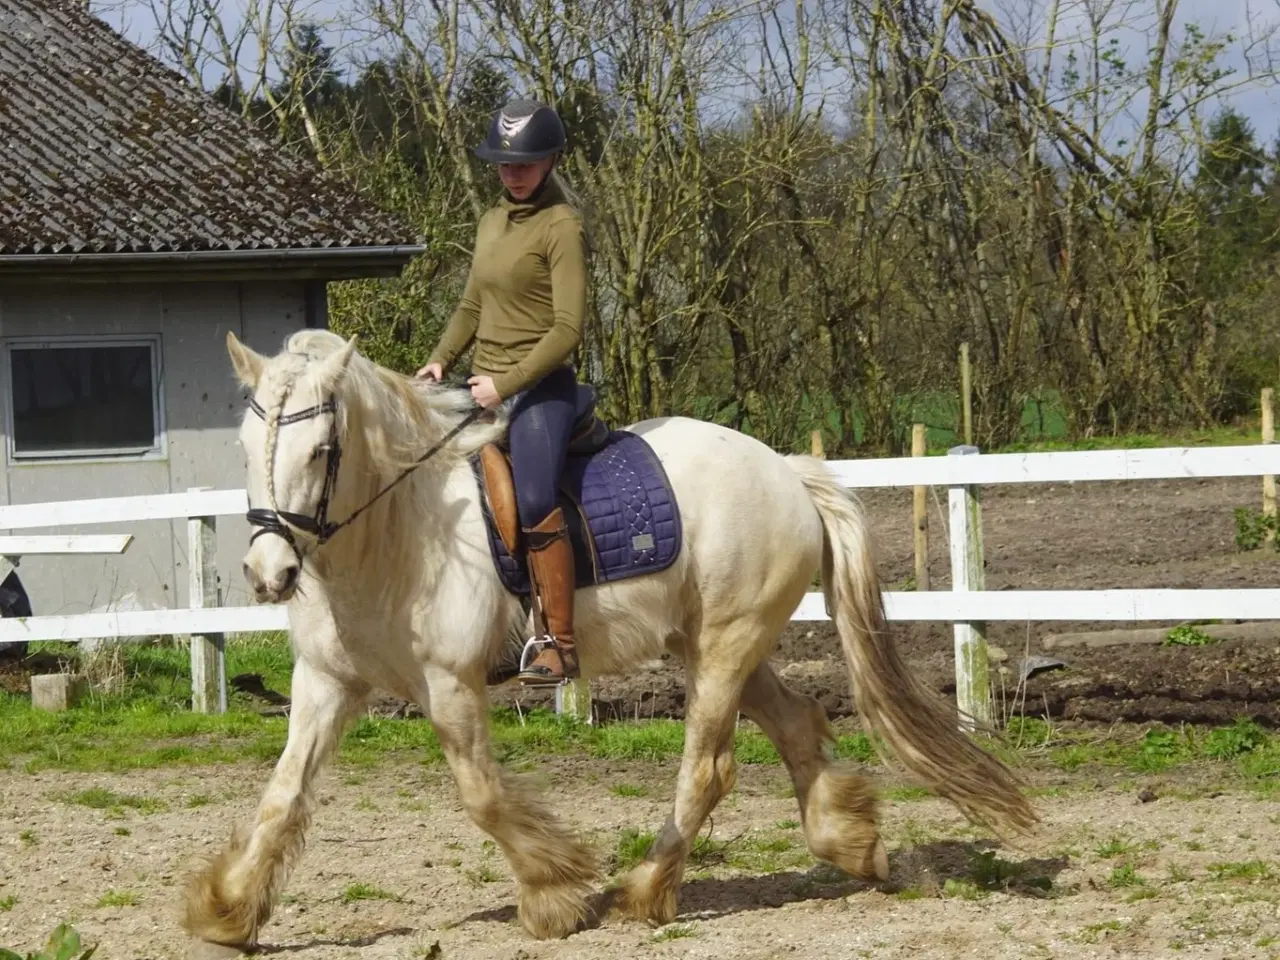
[[523, 131]]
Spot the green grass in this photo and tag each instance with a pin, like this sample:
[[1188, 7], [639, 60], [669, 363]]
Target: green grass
[[1223, 436], [1125, 876], [756, 853], [150, 725], [98, 798], [958, 889], [1095, 932], [1115, 847], [119, 898], [677, 931], [1243, 748], [355, 892], [1246, 870], [1044, 427], [629, 849], [1188, 635]]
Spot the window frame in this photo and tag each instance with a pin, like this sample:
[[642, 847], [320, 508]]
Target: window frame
[[158, 450]]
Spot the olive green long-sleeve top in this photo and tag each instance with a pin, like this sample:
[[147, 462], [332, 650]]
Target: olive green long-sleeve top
[[526, 295]]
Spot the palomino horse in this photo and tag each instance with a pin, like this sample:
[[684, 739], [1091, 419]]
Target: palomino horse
[[405, 598]]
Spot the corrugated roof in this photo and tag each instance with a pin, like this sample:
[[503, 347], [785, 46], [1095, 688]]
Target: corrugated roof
[[103, 149]]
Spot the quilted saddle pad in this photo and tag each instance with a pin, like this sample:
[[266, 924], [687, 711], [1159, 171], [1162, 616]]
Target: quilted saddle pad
[[621, 513]]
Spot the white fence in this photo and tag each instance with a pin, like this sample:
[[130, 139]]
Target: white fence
[[963, 472]]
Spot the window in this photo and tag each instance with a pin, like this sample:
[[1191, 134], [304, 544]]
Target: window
[[95, 398]]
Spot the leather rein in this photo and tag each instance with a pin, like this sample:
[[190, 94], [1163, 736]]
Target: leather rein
[[318, 526]]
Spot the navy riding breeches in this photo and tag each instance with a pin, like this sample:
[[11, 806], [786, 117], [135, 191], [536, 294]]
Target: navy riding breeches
[[541, 426]]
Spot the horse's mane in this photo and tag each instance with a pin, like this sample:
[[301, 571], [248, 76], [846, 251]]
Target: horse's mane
[[400, 417]]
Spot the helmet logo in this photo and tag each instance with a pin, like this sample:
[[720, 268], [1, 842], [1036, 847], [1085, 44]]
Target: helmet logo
[[510, 127]]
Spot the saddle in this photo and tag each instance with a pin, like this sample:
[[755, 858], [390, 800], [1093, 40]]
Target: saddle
[[618, 505]]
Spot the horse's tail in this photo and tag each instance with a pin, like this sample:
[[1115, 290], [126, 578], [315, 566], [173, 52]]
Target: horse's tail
[[918, 726]]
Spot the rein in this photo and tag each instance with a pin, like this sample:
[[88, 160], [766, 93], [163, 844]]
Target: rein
[[318, 526]]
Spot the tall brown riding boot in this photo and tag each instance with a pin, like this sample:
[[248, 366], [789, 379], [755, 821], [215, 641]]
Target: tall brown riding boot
[[551, 569]]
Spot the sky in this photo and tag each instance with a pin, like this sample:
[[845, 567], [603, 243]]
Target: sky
[[1253, 22], [1249, 20]]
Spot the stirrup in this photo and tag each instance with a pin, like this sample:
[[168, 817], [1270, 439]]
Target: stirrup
[[532, 648]]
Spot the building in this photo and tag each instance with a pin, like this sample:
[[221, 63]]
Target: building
[[139, 222]]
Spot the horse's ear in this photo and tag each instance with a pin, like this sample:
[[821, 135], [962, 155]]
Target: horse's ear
[[247, 362], [335, 366]]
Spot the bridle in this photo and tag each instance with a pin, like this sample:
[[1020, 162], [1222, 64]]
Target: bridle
[[318, 527]]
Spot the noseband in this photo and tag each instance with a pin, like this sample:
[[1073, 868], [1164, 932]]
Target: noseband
[[318, 527]]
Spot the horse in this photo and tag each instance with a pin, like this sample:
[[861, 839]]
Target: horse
[[403, 596]]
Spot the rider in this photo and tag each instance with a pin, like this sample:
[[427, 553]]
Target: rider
[[524, 306]]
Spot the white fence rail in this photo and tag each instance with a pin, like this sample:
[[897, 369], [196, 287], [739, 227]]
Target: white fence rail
[[966, 604], [964, 471]]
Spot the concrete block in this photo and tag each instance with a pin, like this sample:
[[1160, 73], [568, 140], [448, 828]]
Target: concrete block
[[56, 691]]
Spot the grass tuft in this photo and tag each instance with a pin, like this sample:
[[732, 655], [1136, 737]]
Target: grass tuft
[[146, 722]]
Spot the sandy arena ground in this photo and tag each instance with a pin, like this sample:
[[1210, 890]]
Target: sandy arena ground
[[1192, 873]]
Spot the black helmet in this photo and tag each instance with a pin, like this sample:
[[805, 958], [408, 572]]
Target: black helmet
[[521, 132]]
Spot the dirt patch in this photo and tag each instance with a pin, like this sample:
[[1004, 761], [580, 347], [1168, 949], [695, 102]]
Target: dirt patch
[[393, 869]]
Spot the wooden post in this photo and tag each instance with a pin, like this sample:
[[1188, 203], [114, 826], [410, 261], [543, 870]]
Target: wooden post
[[1268, 480], [573, 699], [973, 691], [920, 513], [56, 691], [815, 445], [966, 394], [208, 660]]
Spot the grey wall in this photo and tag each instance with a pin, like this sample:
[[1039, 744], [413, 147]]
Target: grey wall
[[202, 406]]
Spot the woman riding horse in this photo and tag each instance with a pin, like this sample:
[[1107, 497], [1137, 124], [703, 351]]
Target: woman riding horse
[[524, 306]]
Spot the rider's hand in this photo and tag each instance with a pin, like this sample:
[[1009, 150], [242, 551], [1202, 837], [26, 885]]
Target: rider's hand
[[482, 392], [432, 371]]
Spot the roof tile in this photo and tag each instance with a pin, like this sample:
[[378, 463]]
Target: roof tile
[[103, 149]]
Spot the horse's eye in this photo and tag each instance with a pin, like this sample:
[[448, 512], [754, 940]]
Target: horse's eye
[[319, 452]]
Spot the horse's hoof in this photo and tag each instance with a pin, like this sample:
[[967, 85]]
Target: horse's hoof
[[880, 861], [204, 950]]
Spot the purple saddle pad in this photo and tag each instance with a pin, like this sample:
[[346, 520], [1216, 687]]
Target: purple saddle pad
[[621, 513]]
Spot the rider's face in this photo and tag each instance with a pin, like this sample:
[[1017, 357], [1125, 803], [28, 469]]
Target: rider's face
[[521, 179]]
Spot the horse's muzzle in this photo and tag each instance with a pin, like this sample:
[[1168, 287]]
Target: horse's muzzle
[[276, 589]]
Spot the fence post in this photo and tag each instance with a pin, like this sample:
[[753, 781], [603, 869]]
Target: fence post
[[973, 691], [1268, 480], [208, 659], [815, 444], [920, 513], [573, 699], [966, 393]]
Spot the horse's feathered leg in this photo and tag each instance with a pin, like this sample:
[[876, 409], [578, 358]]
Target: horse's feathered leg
[[231, 898], [837, 806], [554, 869], [707, 774]]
